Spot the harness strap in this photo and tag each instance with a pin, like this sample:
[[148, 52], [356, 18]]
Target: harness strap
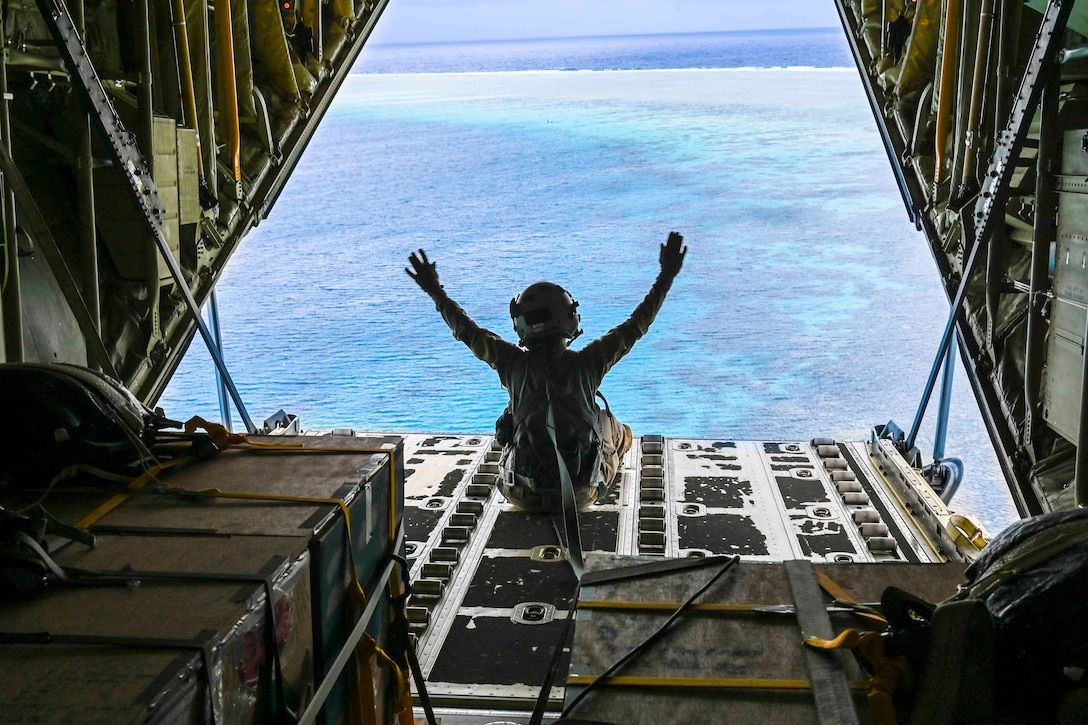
[[572, 538], [542, 396], [536, 399]]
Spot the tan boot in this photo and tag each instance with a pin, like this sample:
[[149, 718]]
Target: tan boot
[[625, 444]]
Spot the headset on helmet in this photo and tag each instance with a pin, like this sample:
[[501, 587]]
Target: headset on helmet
[[545, 309]]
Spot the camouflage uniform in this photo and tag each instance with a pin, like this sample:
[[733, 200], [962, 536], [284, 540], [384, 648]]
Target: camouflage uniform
[[591, 441]]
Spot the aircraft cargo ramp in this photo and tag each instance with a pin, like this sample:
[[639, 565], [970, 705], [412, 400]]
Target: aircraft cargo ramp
[[492, 590]]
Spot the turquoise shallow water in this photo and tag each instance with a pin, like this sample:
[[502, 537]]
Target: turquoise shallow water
[[808, 306]]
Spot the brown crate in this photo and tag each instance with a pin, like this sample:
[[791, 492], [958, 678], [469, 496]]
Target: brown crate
[[241, 470], [723, 646], [62, 683], [240, 537]]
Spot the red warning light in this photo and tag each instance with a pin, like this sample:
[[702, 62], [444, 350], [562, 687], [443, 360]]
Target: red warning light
[[287, 5]]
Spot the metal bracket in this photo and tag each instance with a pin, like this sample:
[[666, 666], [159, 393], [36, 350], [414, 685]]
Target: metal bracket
[[131, 164], [43, 238], [989, 211]]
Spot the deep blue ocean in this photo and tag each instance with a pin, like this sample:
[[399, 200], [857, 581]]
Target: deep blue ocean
[[808, 304]]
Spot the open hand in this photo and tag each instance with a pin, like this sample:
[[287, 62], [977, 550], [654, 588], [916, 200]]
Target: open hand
[[672, 254], [423, 272]]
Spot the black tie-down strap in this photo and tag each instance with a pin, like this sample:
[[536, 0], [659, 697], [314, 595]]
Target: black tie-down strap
[[401, 623], [607, 576]]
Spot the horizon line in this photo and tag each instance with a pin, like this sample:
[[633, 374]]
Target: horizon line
[[601, 37]]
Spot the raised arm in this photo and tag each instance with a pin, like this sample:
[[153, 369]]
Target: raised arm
[[484, 344], [608, 349]]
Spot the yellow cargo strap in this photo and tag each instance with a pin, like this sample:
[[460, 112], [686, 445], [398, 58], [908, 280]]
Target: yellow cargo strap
[[366, 652], [839, 594], [966, 532], [887, 672], [832, 587], [223, 439], [139, 482], [713, 683]]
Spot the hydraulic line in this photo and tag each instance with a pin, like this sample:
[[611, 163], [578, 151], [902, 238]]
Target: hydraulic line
[[228, 89], [185, 65], [145, 132], [1043, 236], [945, 101], [978, 83], [88, 237], [12, 294]]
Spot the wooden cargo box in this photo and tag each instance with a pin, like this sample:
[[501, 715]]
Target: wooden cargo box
[[368, 483], [695, 673], [192, 634]]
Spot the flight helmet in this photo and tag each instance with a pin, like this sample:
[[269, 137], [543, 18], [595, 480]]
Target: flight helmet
[[545, 309]]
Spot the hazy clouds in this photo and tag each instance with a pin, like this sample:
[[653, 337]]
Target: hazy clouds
[[408, 21]]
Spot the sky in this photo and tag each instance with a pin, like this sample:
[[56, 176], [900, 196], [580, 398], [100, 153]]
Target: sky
[[437, 21]]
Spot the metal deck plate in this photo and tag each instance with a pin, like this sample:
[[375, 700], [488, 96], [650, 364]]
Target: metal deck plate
[[492, 590]]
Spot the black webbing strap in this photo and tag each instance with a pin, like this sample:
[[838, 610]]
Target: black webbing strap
[[570, 537], [401, 621], [652, 568], [830, 688], [421, 684], [553, 668]]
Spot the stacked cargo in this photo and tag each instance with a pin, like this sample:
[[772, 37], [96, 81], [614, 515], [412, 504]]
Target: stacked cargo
[[227, 597]]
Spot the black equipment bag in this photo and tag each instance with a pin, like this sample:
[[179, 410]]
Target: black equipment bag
[[1033, 579], [1014, 639], [58, 416]]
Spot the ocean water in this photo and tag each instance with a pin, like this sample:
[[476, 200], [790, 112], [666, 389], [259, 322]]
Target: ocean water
[[808, 304]]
